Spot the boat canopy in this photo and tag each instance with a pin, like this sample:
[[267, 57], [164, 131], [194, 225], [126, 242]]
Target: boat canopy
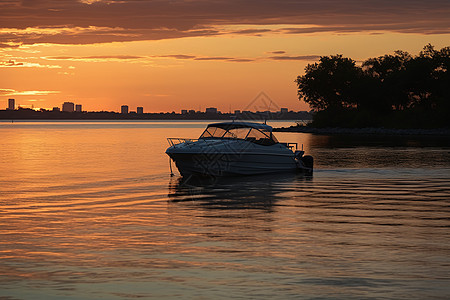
[[253, 132], [231, 125]]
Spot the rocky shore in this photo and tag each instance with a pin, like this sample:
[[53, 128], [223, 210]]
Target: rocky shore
[[365, 131]]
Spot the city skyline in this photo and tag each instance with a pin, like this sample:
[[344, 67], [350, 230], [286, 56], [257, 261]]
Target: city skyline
[[69, 106], [168, 56]]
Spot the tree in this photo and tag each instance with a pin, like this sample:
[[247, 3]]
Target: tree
[[429, 78], [442, 88], [388, 80], [391, 90], [329, 84]]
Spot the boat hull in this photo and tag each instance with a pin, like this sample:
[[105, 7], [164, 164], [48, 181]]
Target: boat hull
[[216, 159]]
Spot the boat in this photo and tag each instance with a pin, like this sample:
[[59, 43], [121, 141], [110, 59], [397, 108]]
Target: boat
[[236, 148]]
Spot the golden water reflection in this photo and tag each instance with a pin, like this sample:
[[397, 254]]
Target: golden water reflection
[[89, 211]]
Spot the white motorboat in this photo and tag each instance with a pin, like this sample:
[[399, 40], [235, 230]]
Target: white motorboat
[[236, 148]]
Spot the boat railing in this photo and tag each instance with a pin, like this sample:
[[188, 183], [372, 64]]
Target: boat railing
[[176, 141]]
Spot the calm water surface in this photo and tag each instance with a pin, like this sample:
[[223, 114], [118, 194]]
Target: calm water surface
[[88, 211]]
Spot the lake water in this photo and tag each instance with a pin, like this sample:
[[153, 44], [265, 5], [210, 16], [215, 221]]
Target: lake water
[[88, 210]]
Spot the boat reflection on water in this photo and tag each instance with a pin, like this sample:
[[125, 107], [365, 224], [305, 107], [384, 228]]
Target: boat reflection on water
[[243, 192]]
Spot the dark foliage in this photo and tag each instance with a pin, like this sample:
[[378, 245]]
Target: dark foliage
[[398, 90]]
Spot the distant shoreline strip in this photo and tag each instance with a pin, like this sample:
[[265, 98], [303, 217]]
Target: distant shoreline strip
[[365, 131]]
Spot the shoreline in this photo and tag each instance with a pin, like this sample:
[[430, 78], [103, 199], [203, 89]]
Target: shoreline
[[365, 131]]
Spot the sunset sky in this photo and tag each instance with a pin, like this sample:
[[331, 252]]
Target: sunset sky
[[167, 55]]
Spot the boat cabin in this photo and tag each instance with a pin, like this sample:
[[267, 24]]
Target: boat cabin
[[253, 132]]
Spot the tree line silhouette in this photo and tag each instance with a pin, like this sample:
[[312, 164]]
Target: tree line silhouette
[[398, 91]]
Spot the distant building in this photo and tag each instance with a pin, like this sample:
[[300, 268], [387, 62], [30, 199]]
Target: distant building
[[184, 111], [124, 109], [68, 107], [140, 110], [284, 110], [56, 108], [78, 108], [192, 111], [11, 104], [237, 112], [211, 110]]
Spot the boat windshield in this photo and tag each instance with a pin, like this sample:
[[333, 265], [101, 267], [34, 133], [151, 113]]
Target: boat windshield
[[255, 135]]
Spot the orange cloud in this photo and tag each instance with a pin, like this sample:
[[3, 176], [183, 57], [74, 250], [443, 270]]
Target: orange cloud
[[101, 21], [13, 64], [97, 58], [101, 58], [11, 92], [300, 57]]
